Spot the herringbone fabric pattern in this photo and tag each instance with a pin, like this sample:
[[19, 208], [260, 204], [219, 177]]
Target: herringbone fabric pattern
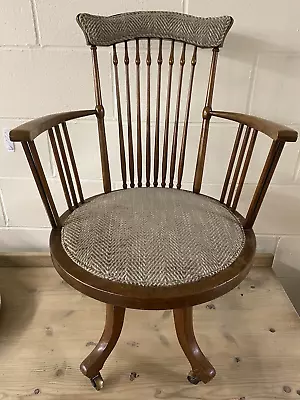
[[202, 32], [153, 236]]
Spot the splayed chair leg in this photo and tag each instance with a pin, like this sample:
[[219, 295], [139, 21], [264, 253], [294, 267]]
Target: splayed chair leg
[[94, 362], [202, 370]]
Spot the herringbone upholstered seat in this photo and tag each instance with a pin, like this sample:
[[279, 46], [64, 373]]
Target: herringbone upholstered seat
[[153, 237]]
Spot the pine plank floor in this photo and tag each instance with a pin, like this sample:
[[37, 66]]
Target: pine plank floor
[[47, 328]]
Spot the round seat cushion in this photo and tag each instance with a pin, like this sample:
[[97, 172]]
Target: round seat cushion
[[153, 236]]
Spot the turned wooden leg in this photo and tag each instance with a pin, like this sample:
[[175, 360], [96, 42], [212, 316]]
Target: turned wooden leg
[[94, 362], [202, 370]]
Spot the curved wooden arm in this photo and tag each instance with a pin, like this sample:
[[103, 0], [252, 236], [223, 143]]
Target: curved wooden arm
[[273, 130], [30, 130]]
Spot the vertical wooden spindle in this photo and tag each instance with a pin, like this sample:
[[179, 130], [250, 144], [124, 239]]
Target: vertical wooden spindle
[[167, 117], [156, 145], [186, 119], [231, 162], [43, 181], [60, 169], [205, 123], [148, 131], [238, 166], [120, 121], [138, 113], [263, 183], [53, 222], [244, 170], [177, 111], [129, 124], [96, 74], [66, 165], [100, 121], [73, 162]]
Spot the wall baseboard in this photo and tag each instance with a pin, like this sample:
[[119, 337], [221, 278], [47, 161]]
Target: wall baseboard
[[25, 259], [43, 259], [262, 260]]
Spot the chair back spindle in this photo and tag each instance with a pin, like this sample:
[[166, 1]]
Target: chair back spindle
[[231, 162], [100, 121], [60, 169], [186, 119], [238, 166], [129, 123], [244, 170], [66, 165], [138, 113], [205, 123], [148, 120], [167, 117], [120, 121], [41, 182], [156, 145], [73, 162], [176, 122], [264, 181], [49, 205]]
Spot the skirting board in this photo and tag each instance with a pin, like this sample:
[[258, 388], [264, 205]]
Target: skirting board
[[36, 259]]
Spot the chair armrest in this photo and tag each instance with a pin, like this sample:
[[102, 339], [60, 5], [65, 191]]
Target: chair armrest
[[273, 130], [31, 129]]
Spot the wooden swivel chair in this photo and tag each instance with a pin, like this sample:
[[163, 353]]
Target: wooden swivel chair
[[152, 246]]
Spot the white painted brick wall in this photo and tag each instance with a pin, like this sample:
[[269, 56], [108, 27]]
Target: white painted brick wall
[[17, 26], [46, 67]]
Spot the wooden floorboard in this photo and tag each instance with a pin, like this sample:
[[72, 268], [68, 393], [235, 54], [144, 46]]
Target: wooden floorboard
[[47, 328]]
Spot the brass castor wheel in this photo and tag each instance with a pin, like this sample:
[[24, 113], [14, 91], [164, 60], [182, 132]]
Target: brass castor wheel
[[98, 382], [192, 378]]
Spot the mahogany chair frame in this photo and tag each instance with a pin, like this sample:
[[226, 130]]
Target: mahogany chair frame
[[181, 298]]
